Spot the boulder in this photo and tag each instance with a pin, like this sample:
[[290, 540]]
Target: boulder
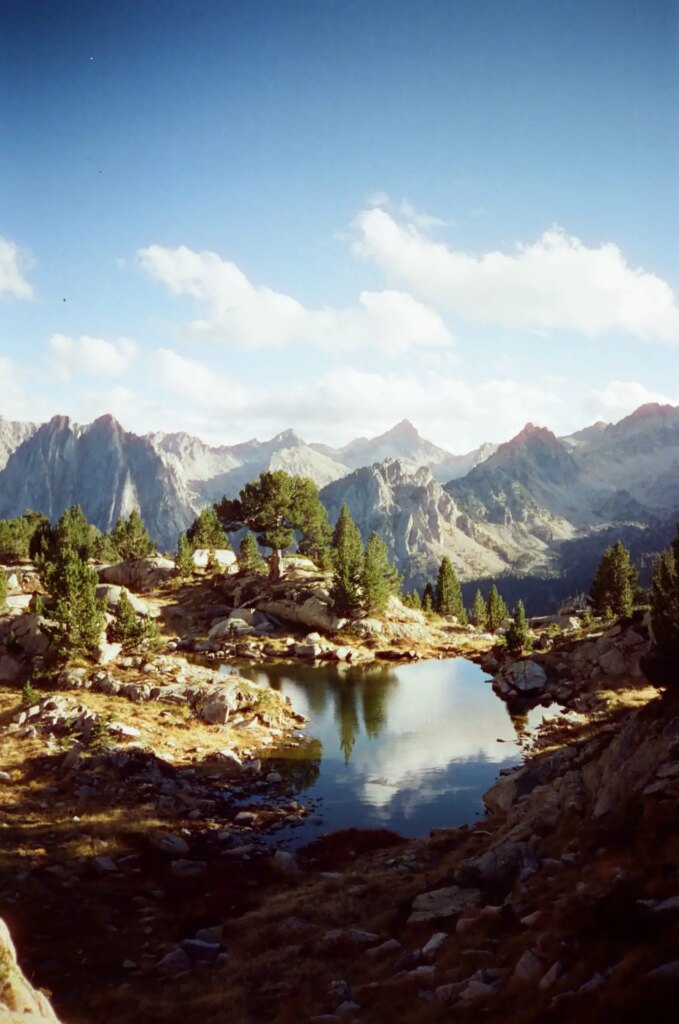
[[110, 594], [500, 865], [612, 662], [105, 653], [20, 1003], [10, 669], [525, 676], [224, 557], [140, 574], [29, 632], [312, 612], [447, 902]]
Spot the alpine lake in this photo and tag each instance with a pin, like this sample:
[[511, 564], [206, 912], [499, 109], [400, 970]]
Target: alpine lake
[[408, 747]]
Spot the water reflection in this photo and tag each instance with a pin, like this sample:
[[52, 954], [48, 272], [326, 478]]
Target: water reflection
[[411, 748]]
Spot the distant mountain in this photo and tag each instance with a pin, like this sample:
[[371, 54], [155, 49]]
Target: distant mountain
[[100, 467], [12, 434], [405, 443], [210, 473]]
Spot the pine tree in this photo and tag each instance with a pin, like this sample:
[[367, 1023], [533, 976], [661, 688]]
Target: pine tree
[[131, 539], [313, 523], [413, 600], [77, 614], [518, 635], [448, 599], [479, 615], [496, 610], [428, 599], [347, 559], [249, 558], [206, 531], [662, 663], [275, 506], [615, 582], [128, 628], [379, 579], [184, 558]]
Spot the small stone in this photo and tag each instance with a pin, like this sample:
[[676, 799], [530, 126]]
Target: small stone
[[172, 845], [212, 934], [188, 868], [105, 866], [174, 962], [434, 944], [200, 951]]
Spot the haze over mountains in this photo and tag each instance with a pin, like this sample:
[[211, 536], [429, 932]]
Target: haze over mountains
[[537, 506]]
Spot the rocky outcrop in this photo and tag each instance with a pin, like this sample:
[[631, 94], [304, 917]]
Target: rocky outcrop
[[139, 575], [20, 1003]]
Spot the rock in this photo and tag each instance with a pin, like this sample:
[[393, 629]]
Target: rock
[[529, 967], [10, 669], [308, 650], [669, 904], [445, 902], [274, 777], [501, 864], [172, 845], [105, 866], [29, 633], [212, 934], [525, 676], [104, 653], [245, 818], [390, 946], [285, 862], [139, 575], [201, 951], [224, 557], [188, 868], [175, 962], [73, 756], [19, 1001], [312, 612], [612, 663], [552, 976], [476, 991], [120, 729], [434, 944], [110, 593], [668, 971], [347, 937]]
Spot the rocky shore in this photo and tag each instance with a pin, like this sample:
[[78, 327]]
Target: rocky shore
[[141, 802]]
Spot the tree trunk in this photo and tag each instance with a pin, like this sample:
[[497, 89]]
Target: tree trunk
[[275, 565]]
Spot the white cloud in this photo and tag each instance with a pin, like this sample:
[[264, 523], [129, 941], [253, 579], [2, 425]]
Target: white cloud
[[93, 356], [237, 313], [13, 262], [198, 383], [555, 283], [619, 398]]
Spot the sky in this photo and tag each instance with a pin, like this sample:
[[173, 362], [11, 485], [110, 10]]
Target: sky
[[232, 217]]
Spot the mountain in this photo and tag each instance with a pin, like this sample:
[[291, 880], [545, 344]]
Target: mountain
[[100, 467], [416, 518], [405, 443], [12, 434], [210, 473]]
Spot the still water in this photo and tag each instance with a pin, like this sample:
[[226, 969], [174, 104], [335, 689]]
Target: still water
[[409, 748]]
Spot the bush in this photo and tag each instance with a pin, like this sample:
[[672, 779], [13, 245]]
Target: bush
[[128, 628], [3, 589]]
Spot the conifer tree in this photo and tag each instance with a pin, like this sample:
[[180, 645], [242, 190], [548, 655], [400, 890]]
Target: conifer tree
[[379, 579], [347, 559], [518, 635], [77, 615], [496, 610], [413, 600], [313, 524], [428, 599], [206, 531], [662, 663], [479, 615], [275, 506], [184, 558], [128, 628], [448, 600], [131, 539], [615, 582], [249, 558]]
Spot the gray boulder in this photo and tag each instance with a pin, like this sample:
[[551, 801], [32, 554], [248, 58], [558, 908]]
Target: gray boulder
[[447, 902]]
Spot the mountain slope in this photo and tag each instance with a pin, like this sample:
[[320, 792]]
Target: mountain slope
[[100, 467], [12, 434]]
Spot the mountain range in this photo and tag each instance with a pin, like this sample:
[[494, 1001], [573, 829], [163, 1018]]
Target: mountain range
[[537, 508]]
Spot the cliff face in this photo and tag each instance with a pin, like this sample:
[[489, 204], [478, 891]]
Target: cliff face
[[12, 434], [100, 467], [20, 1003]]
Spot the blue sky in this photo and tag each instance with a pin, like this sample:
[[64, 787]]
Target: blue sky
[[234, 217]]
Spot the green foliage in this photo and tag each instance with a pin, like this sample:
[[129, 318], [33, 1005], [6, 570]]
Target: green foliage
[[479, 615], [131, 539], [587, 619], [615, 582], [496, 610], [662, 663], [413, 600], [128, 628], [379, 579], [206, 531], [77, 615], [184, 558], [249, 558], [72, 531], [29, 695], [428, 597], [16, 535], [448, 596], [518, 636], [103, 548], [347, 559], [3, 589], [275, 506]]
